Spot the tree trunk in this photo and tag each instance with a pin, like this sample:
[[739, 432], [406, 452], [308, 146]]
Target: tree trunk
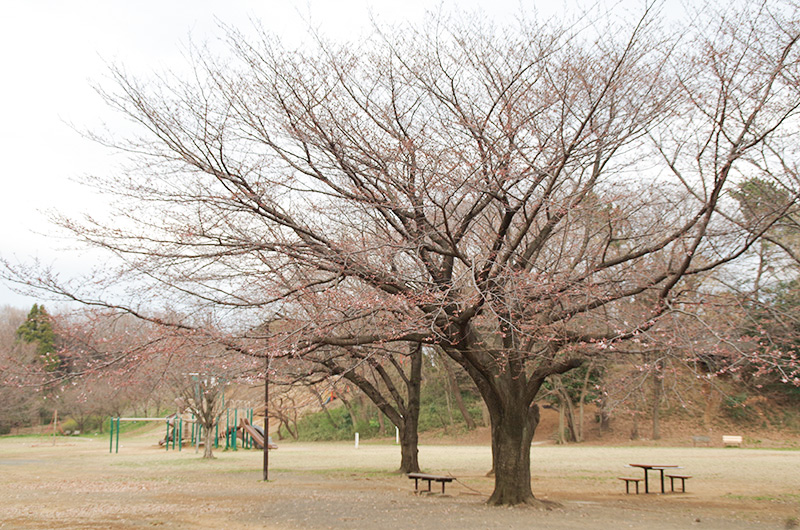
[[451, 376], [208, 449], [712, 402], [405, 412], [635, 426], [381, 423], [657, 388], [603, 418], [409, 437], [409, 450], [566, 418], [581, 403], [349, 409], [513, 425]]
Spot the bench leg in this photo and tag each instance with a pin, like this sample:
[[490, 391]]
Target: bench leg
[[672, 484], [628, 486]]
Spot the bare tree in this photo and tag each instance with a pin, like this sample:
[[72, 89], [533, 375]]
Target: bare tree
[[391, 380], [389, 376], [524, 199]]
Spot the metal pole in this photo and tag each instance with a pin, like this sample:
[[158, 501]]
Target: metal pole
[[266, 420], [117, 449], [166, 437], [235, 427], [250, 419], [180, 434], [111, 435]]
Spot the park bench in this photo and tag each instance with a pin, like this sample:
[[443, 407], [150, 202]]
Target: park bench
[[429, 478], [700, 440], [628, 481], [683, 478], [731, 440]]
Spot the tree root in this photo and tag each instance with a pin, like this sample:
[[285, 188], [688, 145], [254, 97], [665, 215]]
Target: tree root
[[531, 502]]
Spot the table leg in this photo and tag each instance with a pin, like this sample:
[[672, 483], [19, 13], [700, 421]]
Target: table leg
[[662, 481], [646, 489]]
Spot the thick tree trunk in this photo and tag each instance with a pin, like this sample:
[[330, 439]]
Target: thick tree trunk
[[513, 425], [409, 438], [409, 450]]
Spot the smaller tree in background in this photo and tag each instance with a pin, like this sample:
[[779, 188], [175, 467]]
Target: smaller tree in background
[[389, 376], [38, 329], [572, 392], [202, 395]]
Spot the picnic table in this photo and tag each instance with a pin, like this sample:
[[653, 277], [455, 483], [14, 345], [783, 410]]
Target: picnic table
[[654, 467]]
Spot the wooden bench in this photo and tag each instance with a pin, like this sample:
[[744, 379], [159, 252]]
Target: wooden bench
[[683, 478], [430, 478], [628, 481], [700, 440], [732, 440]]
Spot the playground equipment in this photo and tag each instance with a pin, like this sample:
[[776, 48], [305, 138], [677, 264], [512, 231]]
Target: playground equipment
[[256, 433], [114, 425], [239, 431]]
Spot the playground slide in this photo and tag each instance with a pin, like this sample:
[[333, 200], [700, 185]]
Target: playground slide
[[256, 433]]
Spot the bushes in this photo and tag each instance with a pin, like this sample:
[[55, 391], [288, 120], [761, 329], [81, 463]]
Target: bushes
[[337, 424], [436, 412], [735, 408]]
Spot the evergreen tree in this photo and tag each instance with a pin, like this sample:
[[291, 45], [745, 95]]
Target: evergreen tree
[[38, 328]]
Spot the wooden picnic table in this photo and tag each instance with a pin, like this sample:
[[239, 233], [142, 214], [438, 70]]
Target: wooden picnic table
[[654, 467]]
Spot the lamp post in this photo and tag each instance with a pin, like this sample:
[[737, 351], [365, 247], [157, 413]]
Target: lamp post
[[266, 416]]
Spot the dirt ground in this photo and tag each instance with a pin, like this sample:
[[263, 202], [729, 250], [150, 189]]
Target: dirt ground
[[77, 484]]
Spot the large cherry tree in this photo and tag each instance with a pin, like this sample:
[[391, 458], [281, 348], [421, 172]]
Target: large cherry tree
[[524, 198]]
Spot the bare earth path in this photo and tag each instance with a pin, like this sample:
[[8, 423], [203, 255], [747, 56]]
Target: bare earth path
[[78, 484]]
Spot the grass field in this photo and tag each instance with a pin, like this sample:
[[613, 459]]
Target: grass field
[[76, 483]]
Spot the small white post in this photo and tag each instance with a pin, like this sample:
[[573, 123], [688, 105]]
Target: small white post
[[356, 440], [396, 435]]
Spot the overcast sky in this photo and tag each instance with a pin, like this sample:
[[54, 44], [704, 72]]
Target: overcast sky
[[53, 50]]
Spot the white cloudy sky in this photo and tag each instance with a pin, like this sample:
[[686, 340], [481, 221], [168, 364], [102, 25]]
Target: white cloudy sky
[[51, 51]]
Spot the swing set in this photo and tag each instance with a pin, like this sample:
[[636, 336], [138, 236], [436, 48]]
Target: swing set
[[186, 428]]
